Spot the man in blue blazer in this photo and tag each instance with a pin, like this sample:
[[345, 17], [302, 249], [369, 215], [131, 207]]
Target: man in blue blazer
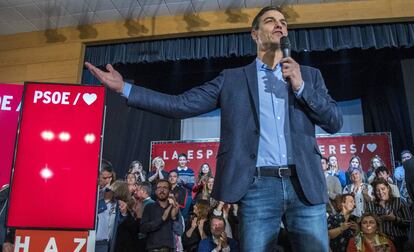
[[268, 160]]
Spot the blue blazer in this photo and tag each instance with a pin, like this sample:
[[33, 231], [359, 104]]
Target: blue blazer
[[207, 245], [235, 91]]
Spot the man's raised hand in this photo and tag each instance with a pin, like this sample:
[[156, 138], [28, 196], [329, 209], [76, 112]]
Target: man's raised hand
[[112, 79]]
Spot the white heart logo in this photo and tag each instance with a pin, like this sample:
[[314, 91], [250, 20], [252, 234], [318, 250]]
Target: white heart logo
[[372, 147], [89, 98]]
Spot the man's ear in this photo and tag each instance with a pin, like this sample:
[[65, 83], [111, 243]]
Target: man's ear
[[254, 35]]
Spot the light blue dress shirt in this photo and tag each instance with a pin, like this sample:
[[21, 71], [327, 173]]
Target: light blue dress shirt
[[274, 142]]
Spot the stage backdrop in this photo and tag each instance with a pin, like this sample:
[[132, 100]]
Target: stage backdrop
[[198, 152], [343, 146], [10, 97]]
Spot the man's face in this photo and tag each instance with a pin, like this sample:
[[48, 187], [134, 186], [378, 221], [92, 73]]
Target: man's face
[[162, 191], [173, 178], [105, 179], [272, 26], [216, 227], [324, 165], [406, 156], [182, 161]]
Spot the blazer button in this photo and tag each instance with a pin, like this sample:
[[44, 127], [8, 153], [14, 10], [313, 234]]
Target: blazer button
[[252, 156]]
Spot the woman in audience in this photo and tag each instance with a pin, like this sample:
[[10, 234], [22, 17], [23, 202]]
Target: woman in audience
[[394, 215], [362, 192], [376, 162], [342, 226], [157, 172], [334, 170], [370, 239], [354, 162], [203, 175], [195, 227], [206, 193], [136, 168]]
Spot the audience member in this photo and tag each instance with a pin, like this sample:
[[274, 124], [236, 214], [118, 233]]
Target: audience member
[[409, 180], [136, 168], [399, 177], [343, 225], [218, 241], [362, 192], [334, 170], [354, 162], [203, 175], [106, 177], [157, 172], [383, 173], [177, 190], [186, 180], [394, 215], [370, 239], [332, 182], [161, 220], [195, 226], [376, 162]]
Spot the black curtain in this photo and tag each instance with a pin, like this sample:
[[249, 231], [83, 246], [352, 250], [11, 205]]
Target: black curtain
[[129, 132], [373, 75]]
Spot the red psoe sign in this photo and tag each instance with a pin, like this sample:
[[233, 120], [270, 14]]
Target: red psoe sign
[[198, 152], [10, 97], [54, 182], [50, 240]]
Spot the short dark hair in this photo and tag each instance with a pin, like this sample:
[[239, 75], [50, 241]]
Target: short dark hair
[[163, 181], [256, 19], [405, 152], [145, 186], [106, 165], [325, 158], [217, 217], [381, 169], [182, 155], [175, 171]]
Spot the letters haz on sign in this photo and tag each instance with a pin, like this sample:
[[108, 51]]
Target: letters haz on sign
[[50, 241]]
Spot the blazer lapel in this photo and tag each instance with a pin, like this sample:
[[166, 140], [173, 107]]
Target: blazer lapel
[[251, 75]]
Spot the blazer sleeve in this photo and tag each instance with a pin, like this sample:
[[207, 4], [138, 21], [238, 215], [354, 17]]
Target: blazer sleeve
[[196, 101], [318, 104]]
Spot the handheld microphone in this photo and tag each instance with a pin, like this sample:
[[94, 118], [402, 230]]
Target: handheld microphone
[[285, 46]]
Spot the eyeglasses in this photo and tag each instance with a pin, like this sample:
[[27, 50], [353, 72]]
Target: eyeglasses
[[107, 177], [162, 188]]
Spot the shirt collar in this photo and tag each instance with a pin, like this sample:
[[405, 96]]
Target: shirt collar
[[263, 67], [182, 169]]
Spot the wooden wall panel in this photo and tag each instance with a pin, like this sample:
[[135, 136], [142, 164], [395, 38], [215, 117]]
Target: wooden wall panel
[[25, 55]]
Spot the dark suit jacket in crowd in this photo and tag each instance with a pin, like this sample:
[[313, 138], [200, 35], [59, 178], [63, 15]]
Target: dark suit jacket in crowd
[[409, 176], [235, 91]]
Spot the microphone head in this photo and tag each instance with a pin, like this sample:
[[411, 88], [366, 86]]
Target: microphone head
[[285, 46], [284, 42]]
